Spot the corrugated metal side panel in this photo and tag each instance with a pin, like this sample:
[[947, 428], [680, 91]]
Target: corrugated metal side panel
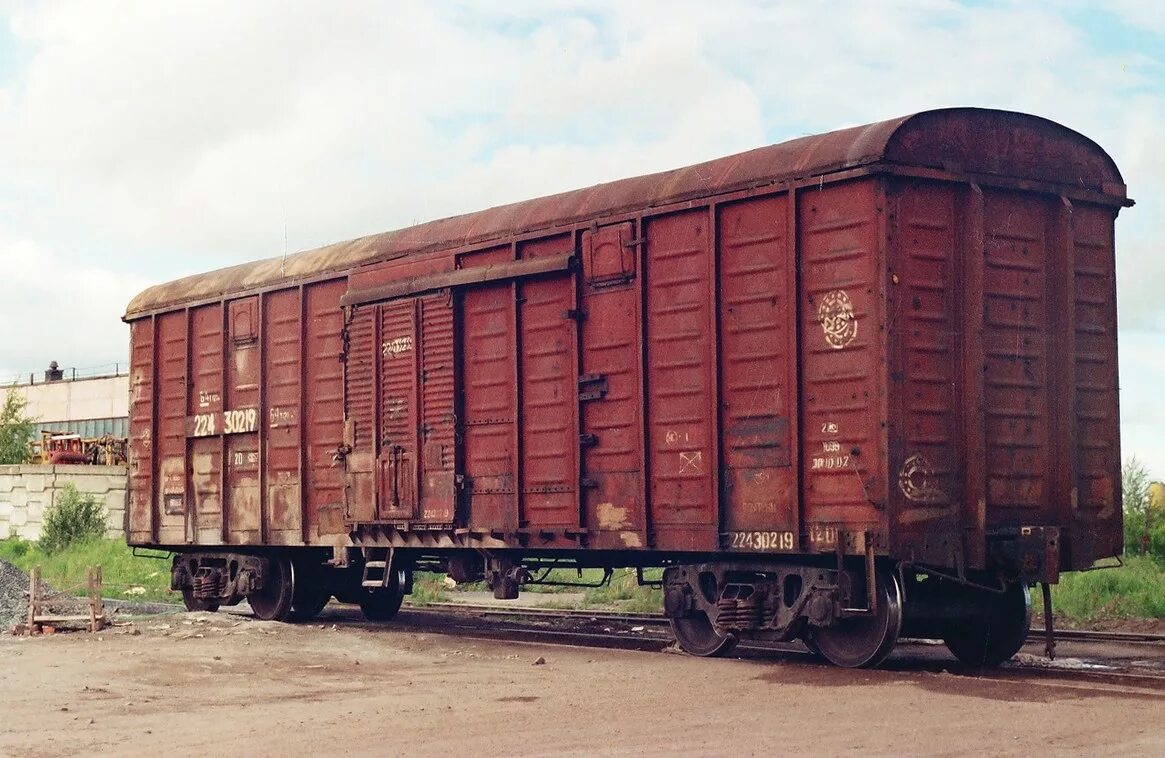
[[282, 367], [396, 462], [842, 361], [438, 410], [489, 401], [924, 429], [681, 375], [171, 443], [360, 412], [244, 494], [613, 501], [758, 376], [324, 414], [141, 421], [206, 396], [1097, 420], [549, 375], [1016, 337]]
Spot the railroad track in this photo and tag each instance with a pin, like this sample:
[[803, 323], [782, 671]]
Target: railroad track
[[648, 633], [656, 619]]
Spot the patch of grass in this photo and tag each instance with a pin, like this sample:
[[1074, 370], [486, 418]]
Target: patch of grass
[[124, 575], [1136, 590], [624, 593], [428, 588]]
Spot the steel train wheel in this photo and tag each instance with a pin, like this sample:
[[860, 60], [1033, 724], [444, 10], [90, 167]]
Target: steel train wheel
[[273, 602], [864, 641], [193, 603], [382, 604], [998, 633], [697, 636], [308, 605]]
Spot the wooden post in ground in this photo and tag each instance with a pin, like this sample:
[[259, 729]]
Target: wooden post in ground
[[33, 598], [96, 607]]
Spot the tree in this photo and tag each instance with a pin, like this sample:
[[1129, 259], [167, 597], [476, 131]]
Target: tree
[[16, 430], [1135, 487]]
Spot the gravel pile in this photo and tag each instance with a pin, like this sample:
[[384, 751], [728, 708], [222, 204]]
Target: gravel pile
[[14, 598]]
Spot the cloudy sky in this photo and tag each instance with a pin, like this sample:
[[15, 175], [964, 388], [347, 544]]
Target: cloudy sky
[[144, 141]]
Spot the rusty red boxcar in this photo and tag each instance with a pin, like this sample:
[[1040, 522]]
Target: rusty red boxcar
[[843, 388]]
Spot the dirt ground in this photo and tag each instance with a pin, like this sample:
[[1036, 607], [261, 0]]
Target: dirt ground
[[213, 684]]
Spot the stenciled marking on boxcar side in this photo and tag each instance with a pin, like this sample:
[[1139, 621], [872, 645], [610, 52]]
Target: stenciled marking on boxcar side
[[831, 458], [836, 313], [691, 460], [245, 458], [239, 421], [821, 535], [396, 346], [279, 416], [916, 479], [207, 399], [762, 540], [393, 406]]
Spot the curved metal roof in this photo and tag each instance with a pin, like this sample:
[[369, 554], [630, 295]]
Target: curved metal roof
[[964, 140]]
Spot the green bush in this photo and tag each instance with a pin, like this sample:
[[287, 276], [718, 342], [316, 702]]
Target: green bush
[[1135, 590], [73, 519]]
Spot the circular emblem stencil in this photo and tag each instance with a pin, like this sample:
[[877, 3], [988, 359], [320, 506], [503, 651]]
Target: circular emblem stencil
[[836, 313], [917, 480]]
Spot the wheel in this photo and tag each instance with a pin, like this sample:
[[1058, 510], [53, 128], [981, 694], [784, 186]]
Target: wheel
[[864, 641], [273, 602], [193, 603], [697, 636], [381, 604], [997, 633], [308, 605]]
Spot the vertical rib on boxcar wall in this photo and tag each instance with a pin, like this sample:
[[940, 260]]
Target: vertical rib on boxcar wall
[[842, 460], [438, 410], [281, 378], [610, 398], [549, 409], [1097, 423], [171, 442], [242, 395], [396, 460], [141, 420], [758, 372], [324, 414], [924, 452], [206, 396], [681, 375], [490, 405], [1016, 339]]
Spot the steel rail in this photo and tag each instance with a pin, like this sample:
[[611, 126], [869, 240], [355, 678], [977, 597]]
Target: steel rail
[[657, 619]]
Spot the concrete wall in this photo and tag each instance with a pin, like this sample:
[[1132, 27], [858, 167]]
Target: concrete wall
[[74, 400], [26, 491]]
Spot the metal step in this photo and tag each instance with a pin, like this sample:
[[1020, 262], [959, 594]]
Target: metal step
[[371, 579]]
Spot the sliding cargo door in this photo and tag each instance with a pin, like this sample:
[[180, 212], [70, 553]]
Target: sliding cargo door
[[399, 403]]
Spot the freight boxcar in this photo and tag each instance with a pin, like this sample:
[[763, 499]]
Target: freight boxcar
[[842, 388]]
